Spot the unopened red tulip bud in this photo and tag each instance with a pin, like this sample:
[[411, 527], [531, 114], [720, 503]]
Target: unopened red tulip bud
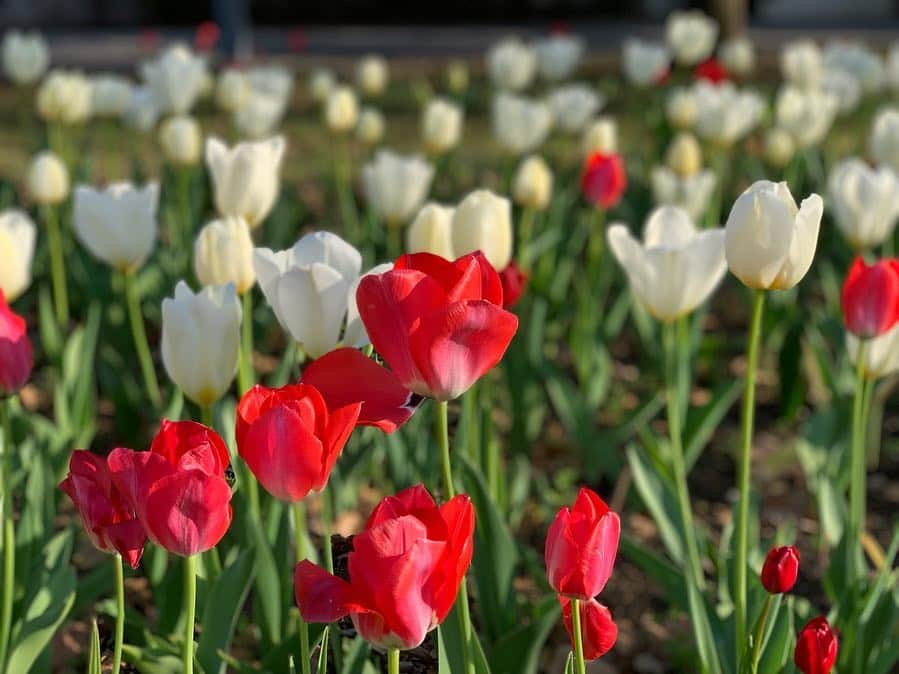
[[870, 299], [816, 647], [604, 179], [15, 350], [780, 569]]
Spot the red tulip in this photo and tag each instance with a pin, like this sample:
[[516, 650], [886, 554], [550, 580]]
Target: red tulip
[[345, 376], [598, 630], [290, 439], [816, 647], [711, 70], [207, 35], [108, 519], [780, 569], [439, 325], [405, 570], [515, 282], [178, 489], [15, 350], [604, 179], [871, 297], [581, 546]]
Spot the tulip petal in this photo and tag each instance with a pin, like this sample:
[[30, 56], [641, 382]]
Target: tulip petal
[[414, 501], [315, 298], [321, 597], [802, 247], [459, 517], [354, 333], [134, 473], [128, 539], [329, 249]]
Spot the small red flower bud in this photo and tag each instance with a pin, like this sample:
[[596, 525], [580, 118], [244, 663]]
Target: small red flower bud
[[15, 350], [816, 647], [604, 179], [599, 631], [870, 299], [780, 569]]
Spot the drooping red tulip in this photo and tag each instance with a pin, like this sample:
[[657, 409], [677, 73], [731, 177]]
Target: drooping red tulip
[[439, 325], [107, 517], [405, 570], [178, 489], [711, 70], [515, 282], [290, 439], [604, 179], [780, 569], [598, 631], [207, 36], [15, 350], [581, 546], [870, 299], [816, 647], [346, 376]]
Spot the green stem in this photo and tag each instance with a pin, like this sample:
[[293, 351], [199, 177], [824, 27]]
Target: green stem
[[857, 468], [299, 534], [245, 374], [140, 339], [526, 237], [760, 633], [345, 201], [489, 447], [119, 614], [327, 517], [190, 609], [9, 534], [394, 241], [57, 266], [183, 235], [745, 467], [441, 427], [206, 416], [393, 661], [581, 667]]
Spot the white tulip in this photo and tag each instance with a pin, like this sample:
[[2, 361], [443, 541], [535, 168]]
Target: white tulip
[[881, 353], [17, 238], [883, 142], [354, 334], [690, 193], [770, 243], [47, 179], [725, 114], [370, 129], [260, 116], [601, 135], [511, 64], [864, 201], [483, 221], [691, 35], [232, 90], [457, 76], [396, 185], [855, 58], [372, 75], [558, 56], [274, 80], [25, 57], [117, 224], [533, 184], [802, 63], [644, 63], [737, 55], [201, 340], [321, 83], [676, 267], [181, 140], [245, 177], [779, 147], [843, 86], [308, 288], [176, 78], [441, 125], [64, 97], [431, 231], [110, 95], [142, 111], [806, 115], [684, 156], [341, 109], [223, 253], [520, 124], [573, 105], [681, 108]]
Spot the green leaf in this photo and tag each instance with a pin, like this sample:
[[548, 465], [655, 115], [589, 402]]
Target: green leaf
[[659, 501], [778, 646], [703, 422], [224, 605], [519, 650], [267, 584], [93, 658]]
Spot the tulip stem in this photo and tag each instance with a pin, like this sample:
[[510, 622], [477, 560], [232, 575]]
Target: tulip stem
[[120, 613], [299, 536], [526, 237], [9, 534], [393, 661], [245, 374], [760, 632], [345, 201], [182, 178], [854, 555], [57, 266], [745, 467], [140, 339], [581, 667], [190, 608]]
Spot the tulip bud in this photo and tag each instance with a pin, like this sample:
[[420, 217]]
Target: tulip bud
[[598, 631], [680, 108], [372, 75], [779, 147], [883, 142], [181, 140], [780, 569], [870, 298], [396, 185], [370, 129], [684, 155], [142, 111], [341, 109], [25, 57], [770, 243], [15, 351], [511, 64], [604, 179], [17, 237], [177, 78], [232, 90], [533, 184], [260, 116], [573, 105], [457, 76], [738, 55], [515, 282], [691, 34], [48, 179], [223, 253], [64, 97], [864, 201], [520, 124], [441, 126], [431, 231], [644, 63], [881, 354], [201, 339], [110, 95], [483, 222], [558, 56], [321, 84], [816, 647], [601, 136]]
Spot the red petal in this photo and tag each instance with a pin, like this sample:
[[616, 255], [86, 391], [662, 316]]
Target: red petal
[[458, 515], [413, 500], [491, 284], [135, 473], [598, 630], [128, 539], [188, 444], [341, 423], [321, 596], [16, 358]]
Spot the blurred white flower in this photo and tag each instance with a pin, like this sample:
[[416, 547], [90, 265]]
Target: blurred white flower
[[779, 147], [511, 64], [680, 108], [737, 55], [371, 126], [843, 86], [223, 253], [232, 90], [457, 76], [17, 238], [881, 353], [691, 35], [573, 105], [341, 109], [47, 179], [601, 135], [142, 111], [321, 82], [864, 201], [372, 75], [117, 224], [533, 184], [274, 80], [558, 56], [245, 178], [806, 115], [802, 63], [725, 114], [483, 221], [64, 97], [431, 231], [110, 95], [395, 186], [201, 340], [175, 78], [883, 141], [520, 124], [181, 140], [684, 156], [26, 56], [691, 193], [859, 61], [261, 115], [644, 63], [441, 125]]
